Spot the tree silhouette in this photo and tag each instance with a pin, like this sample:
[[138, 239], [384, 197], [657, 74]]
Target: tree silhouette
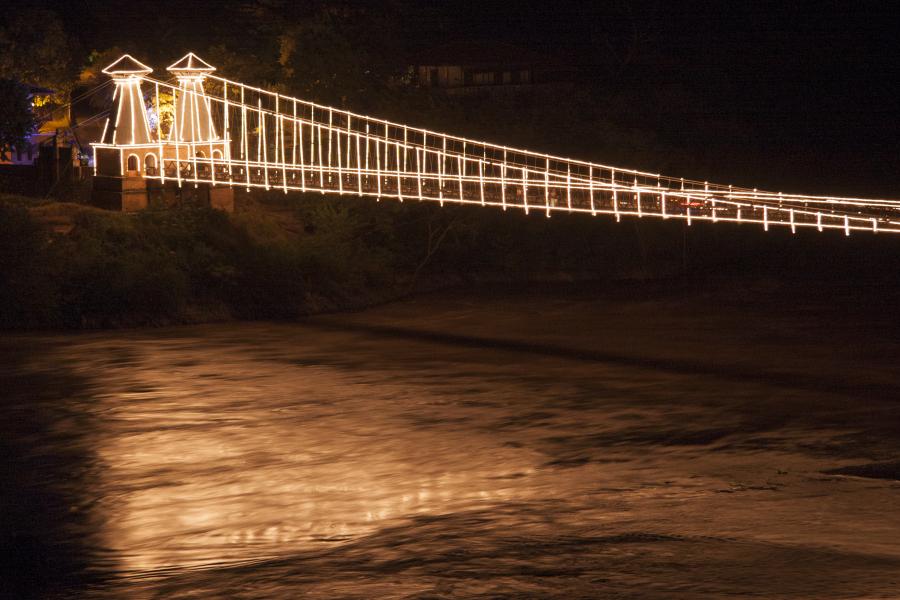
[[17, 121]]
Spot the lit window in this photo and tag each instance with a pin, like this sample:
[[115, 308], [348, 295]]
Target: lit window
[[484, 78]]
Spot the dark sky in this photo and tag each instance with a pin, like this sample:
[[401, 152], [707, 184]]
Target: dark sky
[[775, 58], [813, 86]]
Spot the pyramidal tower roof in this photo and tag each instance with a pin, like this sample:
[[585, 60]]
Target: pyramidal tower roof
[[192, 63], [127, 65]]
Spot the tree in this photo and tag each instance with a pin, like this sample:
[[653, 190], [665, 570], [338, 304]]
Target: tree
[[35, 49], [339, 52], [17, 121]]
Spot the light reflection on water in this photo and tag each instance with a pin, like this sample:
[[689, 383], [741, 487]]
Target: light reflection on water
[[250, 475], [253, 460], [331, 460]]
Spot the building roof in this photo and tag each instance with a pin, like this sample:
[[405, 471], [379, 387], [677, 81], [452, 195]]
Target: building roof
[[36, 89], [475, 53], [192, 63], [127, 65]]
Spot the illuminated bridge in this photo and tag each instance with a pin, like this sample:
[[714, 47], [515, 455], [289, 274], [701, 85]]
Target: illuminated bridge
[[202, 130]]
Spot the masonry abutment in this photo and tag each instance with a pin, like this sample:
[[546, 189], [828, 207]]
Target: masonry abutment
[[130, 150]]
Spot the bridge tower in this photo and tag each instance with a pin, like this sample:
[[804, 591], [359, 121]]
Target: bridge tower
[[198, 148], [126, 149]]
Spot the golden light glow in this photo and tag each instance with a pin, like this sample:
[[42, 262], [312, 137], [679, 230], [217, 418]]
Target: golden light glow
[[321, 485]]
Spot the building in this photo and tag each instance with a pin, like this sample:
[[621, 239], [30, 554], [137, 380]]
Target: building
[[489, 67]]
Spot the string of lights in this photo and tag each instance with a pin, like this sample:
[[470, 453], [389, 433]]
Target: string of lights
[[228, 133]]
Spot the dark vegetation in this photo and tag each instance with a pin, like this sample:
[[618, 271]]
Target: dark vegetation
[[67, 265], [74, 266], [16, 118]]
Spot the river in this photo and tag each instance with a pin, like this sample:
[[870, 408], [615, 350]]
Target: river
[[633, 443]]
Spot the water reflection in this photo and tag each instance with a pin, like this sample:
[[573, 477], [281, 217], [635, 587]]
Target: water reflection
[[237, 470], [333, 461]]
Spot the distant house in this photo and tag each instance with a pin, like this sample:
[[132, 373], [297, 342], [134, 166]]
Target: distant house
[[67, 126], [473, 67]]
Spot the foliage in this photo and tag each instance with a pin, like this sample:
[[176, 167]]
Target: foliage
[[28, 271], [36, 49], [17, 121], [281, 259], [340, 55]]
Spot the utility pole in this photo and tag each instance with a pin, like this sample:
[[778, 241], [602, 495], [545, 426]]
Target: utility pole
[[56, 157]]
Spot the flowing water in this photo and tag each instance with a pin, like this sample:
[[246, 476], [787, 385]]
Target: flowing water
[[503, 444]]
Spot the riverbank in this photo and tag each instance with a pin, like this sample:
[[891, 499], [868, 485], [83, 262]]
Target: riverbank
[[71, 266]]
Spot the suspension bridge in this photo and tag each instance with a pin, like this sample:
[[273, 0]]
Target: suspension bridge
[[200, 129]]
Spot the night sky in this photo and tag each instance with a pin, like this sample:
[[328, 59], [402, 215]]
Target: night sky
[[812, 85]]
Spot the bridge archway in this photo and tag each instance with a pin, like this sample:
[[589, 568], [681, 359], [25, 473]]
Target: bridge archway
[[151, 163], [132, 164]]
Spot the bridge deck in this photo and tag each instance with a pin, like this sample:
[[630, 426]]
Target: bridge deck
[[276, 142]]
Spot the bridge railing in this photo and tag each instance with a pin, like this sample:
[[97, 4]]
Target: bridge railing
[[274, 141]]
